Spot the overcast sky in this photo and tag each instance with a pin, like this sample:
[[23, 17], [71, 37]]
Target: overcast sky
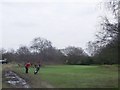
[[63, 22]]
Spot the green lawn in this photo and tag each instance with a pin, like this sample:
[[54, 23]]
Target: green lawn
[[72, 76]]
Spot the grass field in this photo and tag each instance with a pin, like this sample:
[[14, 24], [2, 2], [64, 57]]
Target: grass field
[[71, 76]]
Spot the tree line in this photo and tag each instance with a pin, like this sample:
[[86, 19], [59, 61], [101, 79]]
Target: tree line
[[41, 50]]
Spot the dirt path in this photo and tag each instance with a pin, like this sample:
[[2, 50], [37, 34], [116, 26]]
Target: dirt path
[[14, 80]]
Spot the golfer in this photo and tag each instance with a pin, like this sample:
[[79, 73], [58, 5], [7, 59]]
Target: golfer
[[37, 68], [27, 65]]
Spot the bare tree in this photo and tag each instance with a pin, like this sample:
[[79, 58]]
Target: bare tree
[[75, 55], [23, 54], [39, 45], [109, 30], [92, 48], [73, 50], [108, 38], [23, 50]]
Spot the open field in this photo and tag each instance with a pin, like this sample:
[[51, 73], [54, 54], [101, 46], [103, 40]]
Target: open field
[[70, 76]]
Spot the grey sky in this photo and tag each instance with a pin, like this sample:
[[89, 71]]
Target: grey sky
[[64, 23]]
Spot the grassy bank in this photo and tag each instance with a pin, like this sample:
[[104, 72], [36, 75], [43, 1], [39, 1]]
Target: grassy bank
[[72, 76]]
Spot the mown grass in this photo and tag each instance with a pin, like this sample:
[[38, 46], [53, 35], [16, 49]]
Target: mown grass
[[72, 76]]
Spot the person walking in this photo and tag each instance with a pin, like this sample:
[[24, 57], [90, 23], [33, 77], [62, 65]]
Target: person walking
[[27, 65]]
